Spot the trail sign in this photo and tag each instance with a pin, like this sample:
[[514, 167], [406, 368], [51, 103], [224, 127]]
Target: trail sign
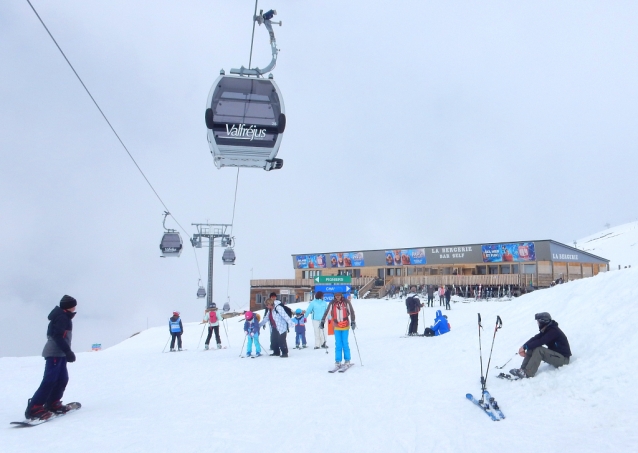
[[333, 279], [333, 288]]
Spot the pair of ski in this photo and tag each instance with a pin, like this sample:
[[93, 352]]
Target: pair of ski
[[31, 423], [342, 368], [488, 404]]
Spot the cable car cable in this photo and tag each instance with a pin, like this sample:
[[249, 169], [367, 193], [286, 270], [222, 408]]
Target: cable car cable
[[252, 40], [109, 124]]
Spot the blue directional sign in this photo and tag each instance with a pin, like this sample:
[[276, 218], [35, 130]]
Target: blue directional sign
[[333, 288]]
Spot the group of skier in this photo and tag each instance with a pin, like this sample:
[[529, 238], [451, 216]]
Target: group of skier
[[550, 345]]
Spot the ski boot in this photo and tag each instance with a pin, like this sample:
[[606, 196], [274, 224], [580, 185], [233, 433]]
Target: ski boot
[[172, 349], [518, 372], [206, 347], [219, 345], [180, 349]]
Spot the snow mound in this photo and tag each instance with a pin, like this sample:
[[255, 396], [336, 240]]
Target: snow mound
[[407, 395], [618, 244]]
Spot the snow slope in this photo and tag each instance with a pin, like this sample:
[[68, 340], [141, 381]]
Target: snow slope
[[408, 396], [618, 244]]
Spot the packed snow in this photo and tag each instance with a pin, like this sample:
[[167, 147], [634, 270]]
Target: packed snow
[[403, 394], [618, 244]]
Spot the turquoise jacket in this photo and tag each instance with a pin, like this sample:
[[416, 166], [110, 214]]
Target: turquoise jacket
[[316, 308]]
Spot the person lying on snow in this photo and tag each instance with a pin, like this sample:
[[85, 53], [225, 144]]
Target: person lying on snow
[[557, 352], [441, 326]]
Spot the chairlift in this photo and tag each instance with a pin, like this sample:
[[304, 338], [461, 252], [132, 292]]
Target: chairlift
[[245, 114], [171, 244]]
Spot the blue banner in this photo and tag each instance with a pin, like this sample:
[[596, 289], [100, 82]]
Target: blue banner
[[405, 257], [504, 253], [311, 261], [347, 259]]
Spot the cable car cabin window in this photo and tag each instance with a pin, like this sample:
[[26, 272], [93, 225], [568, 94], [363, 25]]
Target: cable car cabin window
[[248, 101]]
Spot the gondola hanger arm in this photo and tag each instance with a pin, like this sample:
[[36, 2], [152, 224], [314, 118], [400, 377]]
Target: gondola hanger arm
[[263, 18]]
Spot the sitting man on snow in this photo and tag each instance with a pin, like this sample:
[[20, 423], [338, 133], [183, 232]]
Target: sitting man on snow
[[557, 352]]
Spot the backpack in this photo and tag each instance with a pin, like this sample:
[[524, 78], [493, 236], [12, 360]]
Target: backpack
[[287, 310], [411, 304], [213, 317]]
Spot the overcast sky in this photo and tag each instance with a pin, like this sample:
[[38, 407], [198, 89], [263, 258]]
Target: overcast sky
[[410, 123]]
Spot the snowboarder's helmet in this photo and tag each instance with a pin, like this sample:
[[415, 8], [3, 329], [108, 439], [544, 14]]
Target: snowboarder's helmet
[[298, 311], [213, 305], [249, 315], [175, 313], [543, 318]]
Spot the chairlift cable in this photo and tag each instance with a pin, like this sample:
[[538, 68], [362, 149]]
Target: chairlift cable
[[110, 125], [252, 40]]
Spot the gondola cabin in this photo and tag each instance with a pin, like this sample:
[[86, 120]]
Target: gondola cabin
[[171, 245], [246, 119]]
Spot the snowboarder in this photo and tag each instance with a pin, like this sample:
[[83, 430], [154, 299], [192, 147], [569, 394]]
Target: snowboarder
[[278, 320], [557, 352], [213, 318], [342, 315], [251, 327], [413, 306], [46, 401], [300, 329], [317, 308], [176, 329], [440, 327]]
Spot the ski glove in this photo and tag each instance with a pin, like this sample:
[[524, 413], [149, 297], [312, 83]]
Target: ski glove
[[70, 357], [354, 325], [321, 325]]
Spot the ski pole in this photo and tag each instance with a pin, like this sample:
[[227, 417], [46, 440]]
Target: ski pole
[[324, 340], [200, 337], [227, 340], [501, 367], [355, 342], [407, 328], [499, 324], [242, 346], [481, 351], [169, 339]]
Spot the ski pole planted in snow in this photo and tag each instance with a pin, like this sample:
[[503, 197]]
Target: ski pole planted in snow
[[499, 324], [169, 339], [227, 340], [355, 342], [480, 349], [200, 337], [324, 340], [241, 351]]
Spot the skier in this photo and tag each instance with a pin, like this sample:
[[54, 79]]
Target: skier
[[430, 296], [317, 308], [176, 329], [46, 401], [278, 320], [448, 296], [441, 295], [440, 327], [251, 327], [557, 352], [212, 317], [413, 306], [342, 315], [300, 329]]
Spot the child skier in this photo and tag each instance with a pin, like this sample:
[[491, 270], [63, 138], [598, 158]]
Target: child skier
[[176, 329], [300, 329], [251, 327], [213, 317], [342, 315]]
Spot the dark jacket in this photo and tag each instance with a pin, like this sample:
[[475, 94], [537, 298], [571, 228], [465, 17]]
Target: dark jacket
[[552, 337], [412, 304], [430, 291], [252, 326], [58, 333]]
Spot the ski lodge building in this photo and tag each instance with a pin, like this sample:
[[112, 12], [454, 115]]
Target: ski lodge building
[[521, 266]]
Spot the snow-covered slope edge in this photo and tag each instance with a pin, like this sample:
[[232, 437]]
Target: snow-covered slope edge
[[618, 244]]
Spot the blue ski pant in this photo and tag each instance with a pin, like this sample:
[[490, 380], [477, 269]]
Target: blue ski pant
[[300, 338], [251, 340], [341, 345], [53, 383]]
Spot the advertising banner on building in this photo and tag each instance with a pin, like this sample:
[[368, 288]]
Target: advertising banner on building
[[347, 259], [404, 257], [311, 261], [503, 253]]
